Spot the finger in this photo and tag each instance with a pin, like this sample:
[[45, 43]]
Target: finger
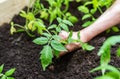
[[70, 47], [63, 35]]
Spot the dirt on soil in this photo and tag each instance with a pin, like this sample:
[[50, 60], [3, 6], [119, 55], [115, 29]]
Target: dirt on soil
[[20, 52]]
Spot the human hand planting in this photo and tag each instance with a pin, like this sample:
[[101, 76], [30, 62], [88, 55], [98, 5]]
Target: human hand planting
[[108, 19]]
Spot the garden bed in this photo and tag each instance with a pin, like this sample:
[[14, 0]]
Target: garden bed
[[18, 51]]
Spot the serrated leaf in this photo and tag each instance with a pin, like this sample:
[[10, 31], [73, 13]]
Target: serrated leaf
[[67, 22], [59, 20], [86, 24], [10, 72], [58, 29], [56, 37], [56, 53], [52, 26], [86, 16], [47, 35], [87, 47], [57, 46], [83, 9], [40, 40], [64, 27], [46, 56], [1, 68]]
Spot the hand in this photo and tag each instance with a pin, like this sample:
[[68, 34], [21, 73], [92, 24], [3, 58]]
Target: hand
[[70, 47]]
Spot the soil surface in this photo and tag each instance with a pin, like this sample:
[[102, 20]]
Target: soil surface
[[18, 51]]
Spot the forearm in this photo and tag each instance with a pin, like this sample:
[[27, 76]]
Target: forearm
[[108, 19]]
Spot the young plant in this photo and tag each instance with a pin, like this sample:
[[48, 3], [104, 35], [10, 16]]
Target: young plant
[[105, 58], [54, 10], [97, 5], [52, 42], [8, 74], [112, 72], [31, 24]]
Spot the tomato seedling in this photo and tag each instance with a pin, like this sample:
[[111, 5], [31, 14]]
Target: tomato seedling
[[97, 5], [8, 74], [53, 44]]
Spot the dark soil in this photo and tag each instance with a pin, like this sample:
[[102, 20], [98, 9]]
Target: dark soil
[[18, 51]]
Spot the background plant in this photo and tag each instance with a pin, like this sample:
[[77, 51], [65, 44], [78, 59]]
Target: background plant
[[97, 6], [34, 23], [8, 74], [56, 8], [105, 58]]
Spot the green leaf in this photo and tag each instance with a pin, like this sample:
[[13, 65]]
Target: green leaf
[[93, 11], [59, 20], [56, 53], [40, 40], [87, 24], [73, 19], [87, 47], [40, 26], [44, 14], [118, 52], [47, 35], [30, 16], [52, 16], [12, 29], [113, 75], [58, 29], [108, 43], [95, 3], [3, 77], [57, 46], [105, 77], [64, 27], [10, 78], [10, 72], [56, 37], [86, 16], [52, 26], [70, 40], [83, 9], [78, 35], [115, 29], [46, 56], [1, 68], [67, 22]]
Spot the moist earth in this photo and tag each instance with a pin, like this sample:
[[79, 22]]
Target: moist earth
[[20, 52]]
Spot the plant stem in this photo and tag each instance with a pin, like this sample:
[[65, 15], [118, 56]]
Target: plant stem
[[100, 10]]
